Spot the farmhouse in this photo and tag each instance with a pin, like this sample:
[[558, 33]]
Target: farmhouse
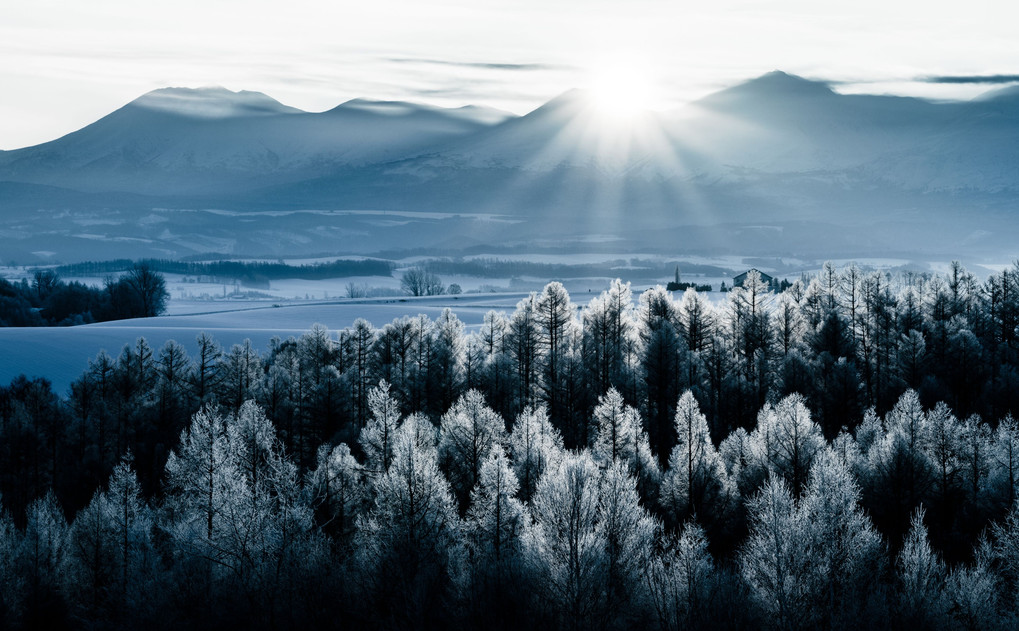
[[766, 279]]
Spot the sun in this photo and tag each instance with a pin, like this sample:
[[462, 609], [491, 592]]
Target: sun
[[622, 90]]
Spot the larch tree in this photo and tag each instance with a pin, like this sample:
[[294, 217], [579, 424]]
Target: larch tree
[[659, 344], [899, 473], [338, 492], [775, 561], [379, 433], [110, 561], [556, 321], [198, 475], [492, 568], [920, 576], [567, 548], [446, 364], [628, 534], [241, 372], [678, 580], [523, 339], [204, 377], [536, 446], [265, 516], [845, 550], [43, 548], [467, 434], [620, 437], [786, 440], [608, 330], [1003, 477], [356, 344], [404, 543], [12, 581], [696, 483], [613, 428]]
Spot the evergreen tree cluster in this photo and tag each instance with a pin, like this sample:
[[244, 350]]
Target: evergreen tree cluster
[[823, 458], [50, 301]]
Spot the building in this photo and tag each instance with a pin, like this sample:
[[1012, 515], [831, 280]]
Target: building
[[766, 279]]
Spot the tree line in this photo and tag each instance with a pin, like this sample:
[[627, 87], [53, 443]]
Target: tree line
[[252, 271], [602, 467], [50, 301]]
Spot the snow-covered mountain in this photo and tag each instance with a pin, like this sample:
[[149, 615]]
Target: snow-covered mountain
[[178, 141], [771, 151]]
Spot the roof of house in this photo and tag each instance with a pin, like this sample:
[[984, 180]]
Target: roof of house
[[742, 277]]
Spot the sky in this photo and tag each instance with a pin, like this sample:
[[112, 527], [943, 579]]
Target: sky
[[66, 63]]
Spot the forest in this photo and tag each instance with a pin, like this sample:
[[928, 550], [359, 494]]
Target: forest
[[839, 455]]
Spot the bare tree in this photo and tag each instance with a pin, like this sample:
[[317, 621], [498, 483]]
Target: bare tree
[[417, 281]]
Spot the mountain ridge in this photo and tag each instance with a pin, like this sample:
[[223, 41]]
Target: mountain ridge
[[775, 149]]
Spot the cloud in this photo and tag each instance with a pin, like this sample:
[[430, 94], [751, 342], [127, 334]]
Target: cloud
[[481, 65], [967, 79]]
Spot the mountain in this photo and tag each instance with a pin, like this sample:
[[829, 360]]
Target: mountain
[[758, 161], [212, 141]]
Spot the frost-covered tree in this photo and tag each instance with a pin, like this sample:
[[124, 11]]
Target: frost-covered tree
[[974, 593], [467, 434], [567, 548], [198, 476], [945, 451], [356, 344], [497, 367], [523, 337], [12, 581], [678, 580], [555, 317], [241, 375], [737, 454], [109, 563], [696, 483], [786, 440], [417, 429], [920, 575], [620, 437], [536, 446], [337, 491], [608, 335], [1003, 477], [403, 544], [899, 472], [629, 534], [446, 363], [613, 428], [775, 560], [846, 553], [492, 571], [379, 433], [43, 548], [236, 501]]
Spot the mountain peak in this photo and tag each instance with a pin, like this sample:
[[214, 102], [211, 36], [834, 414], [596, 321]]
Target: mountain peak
[[211, 102], [772, 85]]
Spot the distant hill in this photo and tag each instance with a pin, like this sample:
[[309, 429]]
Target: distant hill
[[759, 161]]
